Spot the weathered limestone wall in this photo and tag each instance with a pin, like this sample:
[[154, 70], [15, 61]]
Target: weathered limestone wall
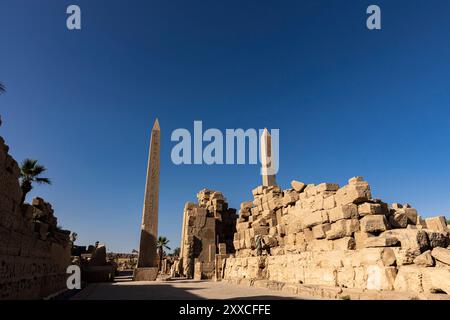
[[34, 254], [208, 229], [323, 235]]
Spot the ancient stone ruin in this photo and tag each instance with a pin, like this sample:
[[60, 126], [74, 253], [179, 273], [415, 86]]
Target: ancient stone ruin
[[34, 252], [95, 267], [207, 235], [334, 242], [123, 261]]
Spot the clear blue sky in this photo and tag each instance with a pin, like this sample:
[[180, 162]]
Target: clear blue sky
[[348, 101]]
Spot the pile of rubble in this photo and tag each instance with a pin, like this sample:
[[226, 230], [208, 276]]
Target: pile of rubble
[[339, 237]]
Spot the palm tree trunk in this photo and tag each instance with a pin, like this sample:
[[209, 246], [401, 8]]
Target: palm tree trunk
[[25, 187]]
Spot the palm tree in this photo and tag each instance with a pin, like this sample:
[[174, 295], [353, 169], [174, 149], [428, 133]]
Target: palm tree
[[30, 172], [161, 244]]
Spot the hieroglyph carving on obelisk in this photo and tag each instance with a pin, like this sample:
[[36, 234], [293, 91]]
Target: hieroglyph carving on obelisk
[[148, 257]]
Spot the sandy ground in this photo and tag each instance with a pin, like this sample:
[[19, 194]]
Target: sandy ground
[[124, 289]]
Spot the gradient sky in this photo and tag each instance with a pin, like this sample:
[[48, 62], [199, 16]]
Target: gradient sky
[[348, 101]]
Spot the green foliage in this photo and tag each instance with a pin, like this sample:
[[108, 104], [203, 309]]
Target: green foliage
[[30, 172], [162, 243], [346, 298]]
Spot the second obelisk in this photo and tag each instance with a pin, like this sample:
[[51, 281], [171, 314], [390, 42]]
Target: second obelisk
[[147, 267]]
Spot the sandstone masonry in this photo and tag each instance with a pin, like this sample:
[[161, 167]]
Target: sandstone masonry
[[338, 238], [34, 252], [207, 235]]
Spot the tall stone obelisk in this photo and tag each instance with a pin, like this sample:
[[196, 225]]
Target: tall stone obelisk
[[268, 177], [147, 266]]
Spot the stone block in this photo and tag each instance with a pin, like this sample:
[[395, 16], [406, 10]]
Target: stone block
[[242, 226], [272, 231], [346, 243], [320, 245], [106, 273], [254, 211], [310, 219], [321, 276], [355, 180], [368, 208], [222, 247], [289, 198], [436, 224], [281, 229], [247, 205], [261, 230], [145, 274], [405, 256], [308, 234], [411, 239], [329, 202], [442, 255], [257, 202], [289, 239], [436, 280], [412, 215], [342, 228], [327, 187], [425, 259], [274, 203], [318, 203], [357, 192], [348, 211], [319, 231], [380, 278], [373, 256], [374, 223], [381, 241], [398, 220], [437, 239], [409, 278], [300, 241], [310, 190], [421, 222], [360, 238]]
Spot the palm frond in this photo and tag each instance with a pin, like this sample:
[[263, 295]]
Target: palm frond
[[28, 165], [38, 169], [43, 180], [2, 88]]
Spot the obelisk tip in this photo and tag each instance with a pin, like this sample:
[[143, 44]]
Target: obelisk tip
[[156, 125]]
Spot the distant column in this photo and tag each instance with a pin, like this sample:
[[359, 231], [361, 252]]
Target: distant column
[[147, 267], [268, 177]]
